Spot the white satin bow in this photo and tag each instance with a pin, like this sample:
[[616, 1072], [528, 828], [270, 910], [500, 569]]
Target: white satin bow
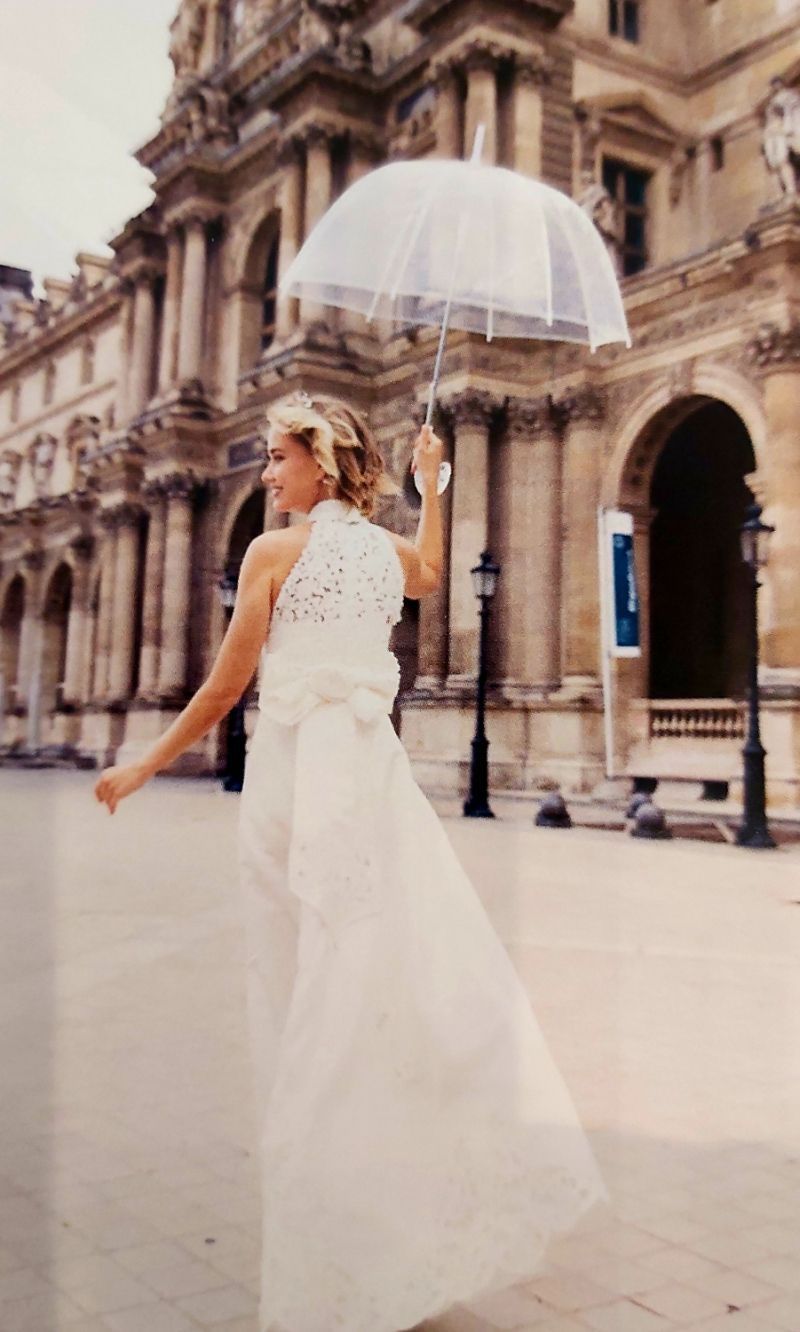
[[334, 864]]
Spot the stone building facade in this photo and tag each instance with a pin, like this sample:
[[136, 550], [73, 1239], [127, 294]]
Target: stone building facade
[[132, 396]]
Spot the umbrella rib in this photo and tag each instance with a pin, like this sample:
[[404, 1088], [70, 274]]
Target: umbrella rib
[[548, 274], [387, 266], [420, 218], [586, 310]]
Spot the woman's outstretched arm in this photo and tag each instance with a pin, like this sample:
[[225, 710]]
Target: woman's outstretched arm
[[232, 670]]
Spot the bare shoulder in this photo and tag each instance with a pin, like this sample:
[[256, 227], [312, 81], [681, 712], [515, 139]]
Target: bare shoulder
[[275, 548]]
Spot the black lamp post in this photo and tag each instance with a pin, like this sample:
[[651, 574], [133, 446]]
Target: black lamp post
[[235, 734], [753, 831], [476, 806]]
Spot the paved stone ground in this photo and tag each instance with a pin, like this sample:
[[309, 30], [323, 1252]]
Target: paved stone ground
[[665, 977]]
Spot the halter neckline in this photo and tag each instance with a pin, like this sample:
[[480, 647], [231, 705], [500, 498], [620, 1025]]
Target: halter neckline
[[336, 510]]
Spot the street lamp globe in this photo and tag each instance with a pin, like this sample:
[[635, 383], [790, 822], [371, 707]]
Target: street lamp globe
[[484, 577], [227, 589], [755, 537]]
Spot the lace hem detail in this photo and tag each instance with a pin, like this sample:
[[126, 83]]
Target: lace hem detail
[[495, 1219]]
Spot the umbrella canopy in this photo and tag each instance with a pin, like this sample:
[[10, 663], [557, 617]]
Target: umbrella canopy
[[479, 247]]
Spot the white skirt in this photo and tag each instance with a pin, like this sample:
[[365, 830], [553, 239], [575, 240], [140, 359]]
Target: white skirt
[[418, 1146]]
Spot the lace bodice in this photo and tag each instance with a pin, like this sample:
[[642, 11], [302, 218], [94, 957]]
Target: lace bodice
[[329, 634], [348, 570]]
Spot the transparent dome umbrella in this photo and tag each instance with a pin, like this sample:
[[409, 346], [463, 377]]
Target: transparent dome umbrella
[[462, 244]]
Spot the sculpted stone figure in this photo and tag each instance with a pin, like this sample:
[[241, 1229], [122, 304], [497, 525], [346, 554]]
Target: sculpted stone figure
[[9, 471], [43, 451], [781, 139], [187, 31], [597, 203]]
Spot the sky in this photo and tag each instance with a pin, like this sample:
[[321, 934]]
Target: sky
[[82, 85]]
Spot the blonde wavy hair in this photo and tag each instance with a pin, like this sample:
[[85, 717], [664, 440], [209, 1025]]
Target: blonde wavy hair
[[341, 442]]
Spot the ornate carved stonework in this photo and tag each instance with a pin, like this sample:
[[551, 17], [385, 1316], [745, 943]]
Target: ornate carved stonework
[[526, 417], [585, 403], [180, 485], [83, 545], [10, 463], [41, 455], [533, 69], [187, 32], [598, 205], [781, 137], [475, 407], [33, 559], [774, 346], [124, 514]]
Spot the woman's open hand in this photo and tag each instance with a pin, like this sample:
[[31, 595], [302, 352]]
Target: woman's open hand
[[427, 456], [115, 783]]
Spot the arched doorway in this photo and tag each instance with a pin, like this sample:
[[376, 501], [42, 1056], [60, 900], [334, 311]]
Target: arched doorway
[[259, 292], [247, 525], [698, 589], [11, 617], [55, 618]]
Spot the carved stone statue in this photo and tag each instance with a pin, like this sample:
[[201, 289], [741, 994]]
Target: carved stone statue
[[329, 23], [187, 31], [598, 205], [9, 472], [42, 453], [781, 139], [209, 120]]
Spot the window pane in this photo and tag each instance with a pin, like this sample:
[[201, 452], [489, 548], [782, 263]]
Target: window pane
[[613, 17], [631, 20], [635, 187], [634, 230]]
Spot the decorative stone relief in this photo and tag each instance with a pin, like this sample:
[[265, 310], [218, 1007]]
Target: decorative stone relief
[[10, 463], [780, 142], [41, 455]]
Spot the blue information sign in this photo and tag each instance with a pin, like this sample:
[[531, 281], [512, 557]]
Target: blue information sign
[[626, 600]]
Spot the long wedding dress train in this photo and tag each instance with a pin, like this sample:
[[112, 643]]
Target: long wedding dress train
[[418, 1146]]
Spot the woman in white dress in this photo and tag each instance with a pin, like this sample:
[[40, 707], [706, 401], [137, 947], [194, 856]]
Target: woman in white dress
[[418, 1146]]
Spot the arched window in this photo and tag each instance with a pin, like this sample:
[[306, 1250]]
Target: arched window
[[270, 299], [49, 383], [87, 361]]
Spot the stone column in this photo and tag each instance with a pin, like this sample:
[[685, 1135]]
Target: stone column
[[190, 343], [777, 352], [140, 384], [30, 647], [290, 204], [526, 116], [121, 413], [481, 65], [153, 591], [583, 413], [79, 622], [120, 668], [531, 575], [318, 193], [469, 525], [175, 608], [108, 561], [167, 361], [448, 112]]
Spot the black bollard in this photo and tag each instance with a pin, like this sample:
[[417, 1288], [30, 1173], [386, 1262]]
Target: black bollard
[[650, 822], [553, 812]]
